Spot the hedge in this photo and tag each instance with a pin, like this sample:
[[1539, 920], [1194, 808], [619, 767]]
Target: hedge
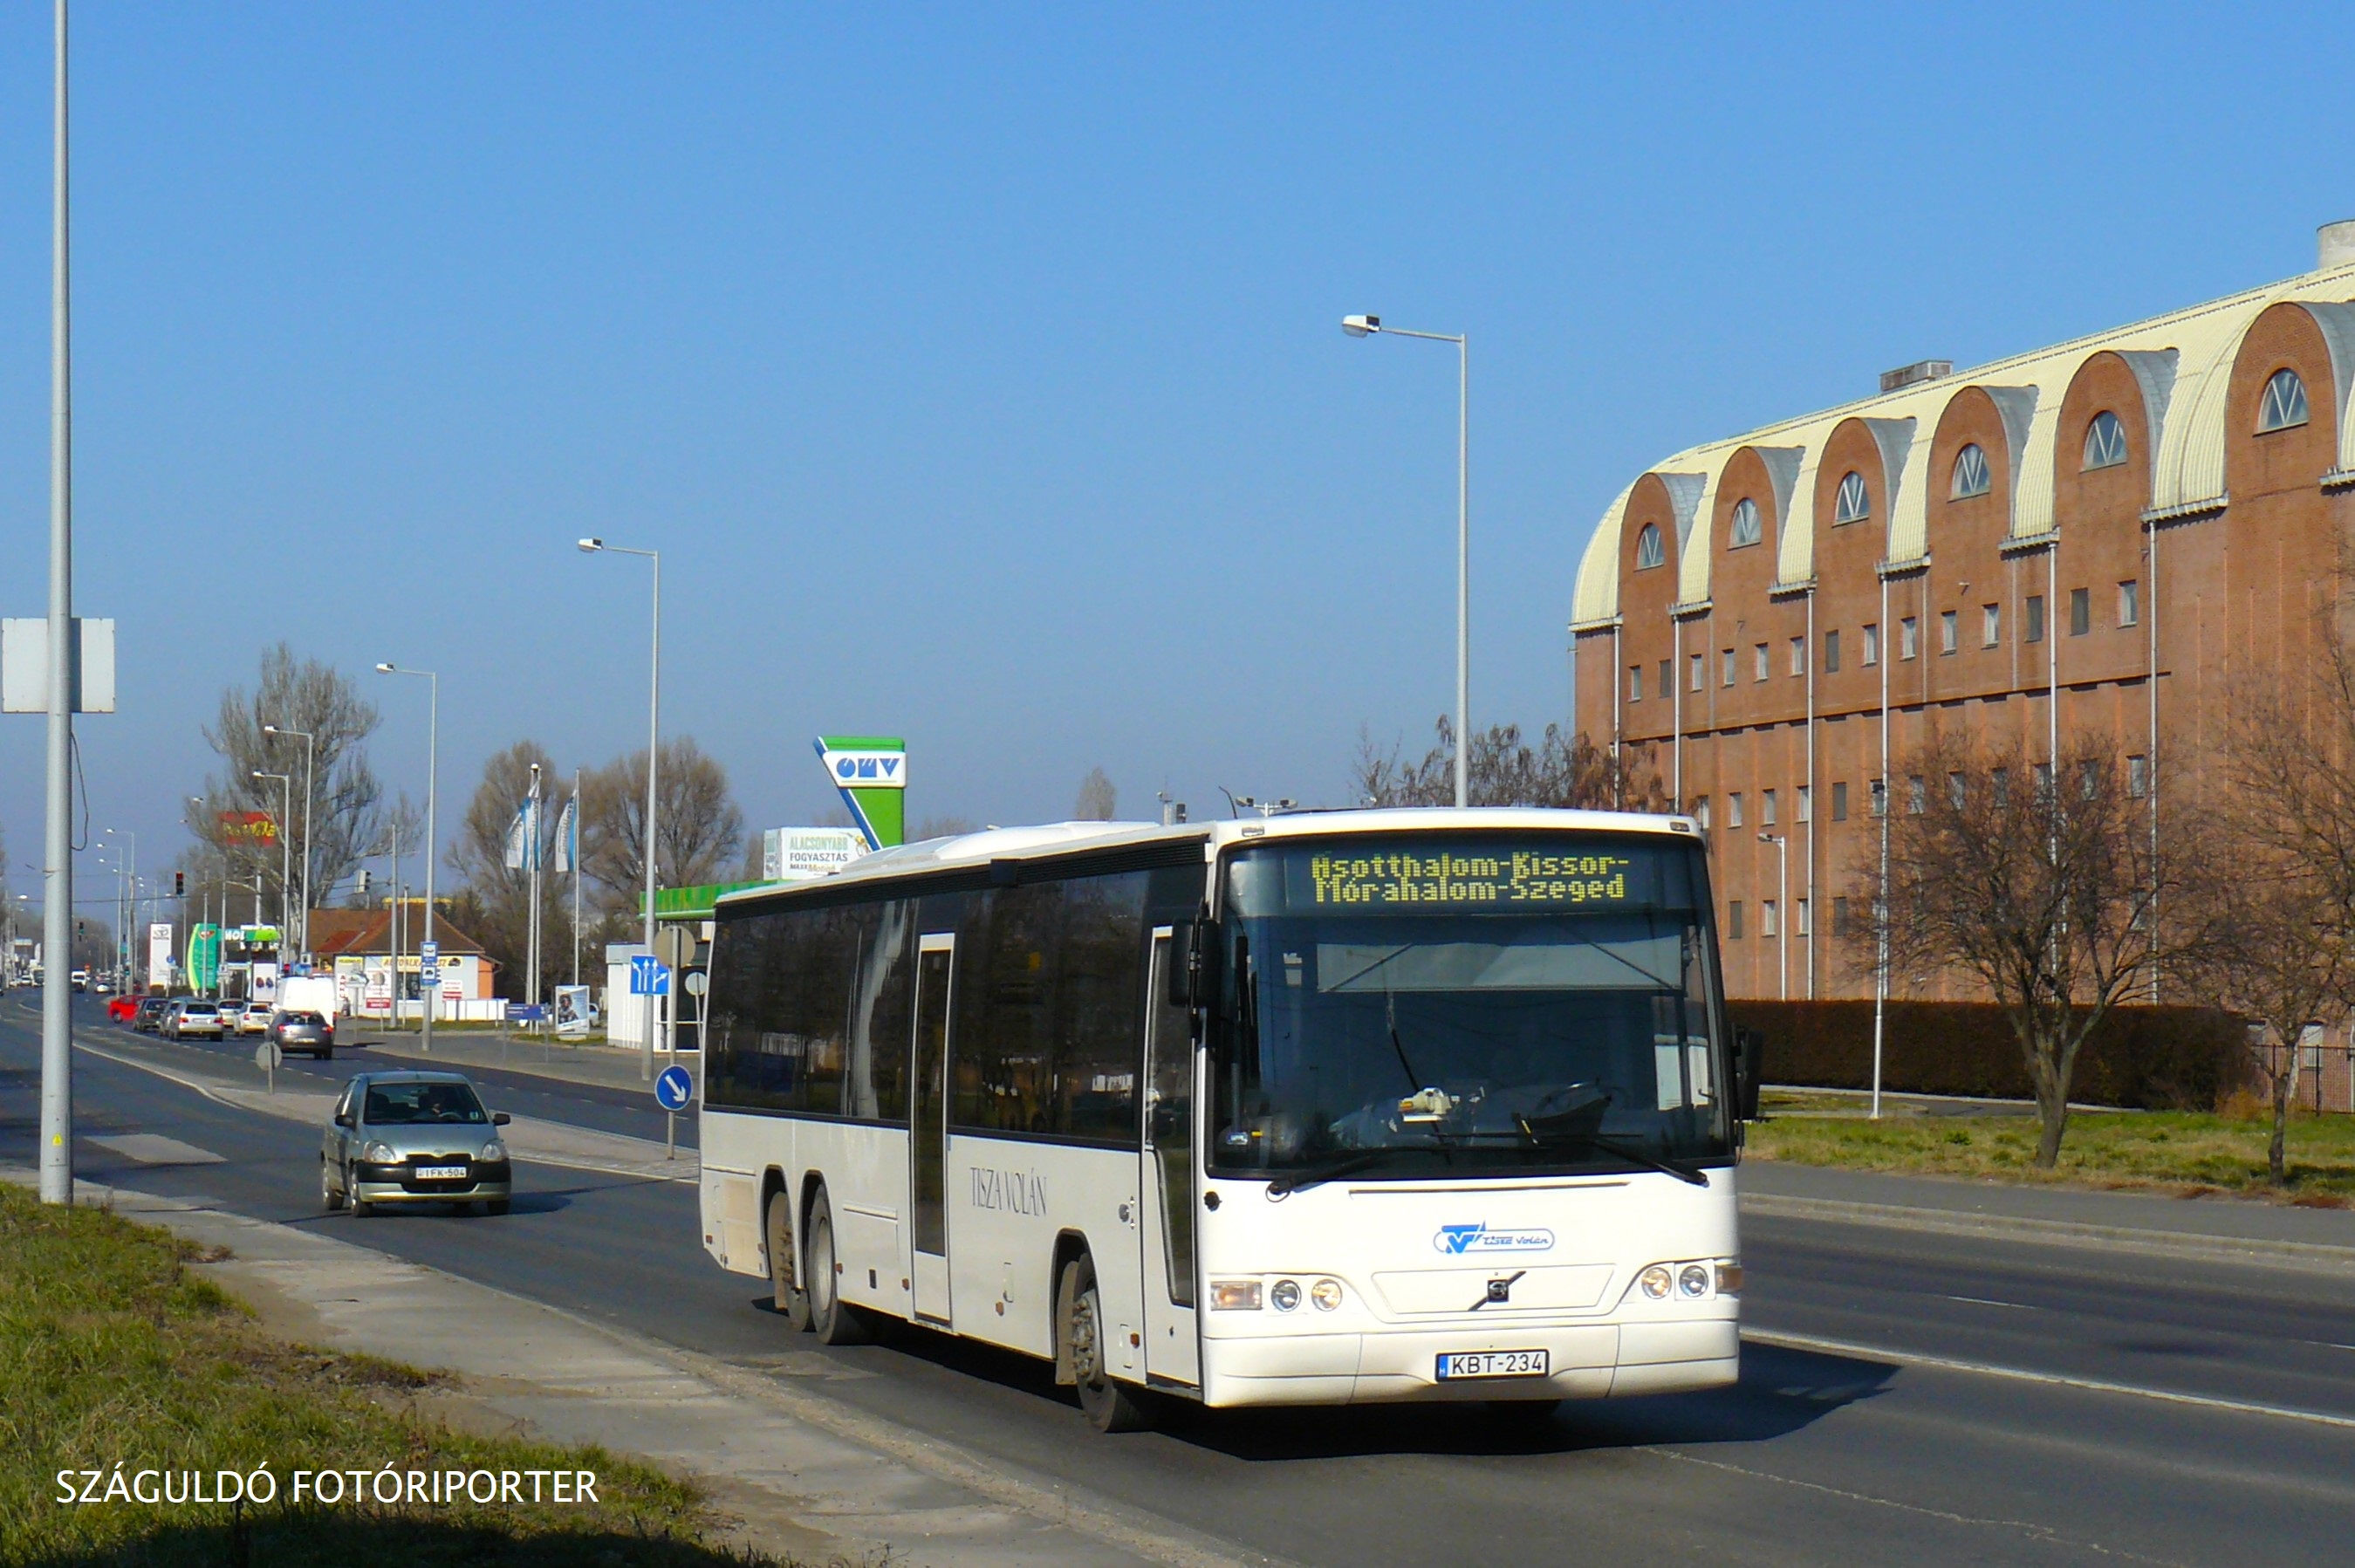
[[2185, 1058]]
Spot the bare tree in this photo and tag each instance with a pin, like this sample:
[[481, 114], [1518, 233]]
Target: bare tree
[[494, 903], [1505, 770], [945, 827], [2038, 884], [1097, 799], [346, 799], [701, 830]]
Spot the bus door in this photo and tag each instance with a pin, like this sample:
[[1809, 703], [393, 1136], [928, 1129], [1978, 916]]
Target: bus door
[[1166, 1180], [928, 1128]]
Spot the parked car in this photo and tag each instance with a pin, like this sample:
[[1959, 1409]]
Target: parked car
[[121, 1009], [254, 1018], [300, 1030], [413, 1137], [192, 1016], [148, 1017]]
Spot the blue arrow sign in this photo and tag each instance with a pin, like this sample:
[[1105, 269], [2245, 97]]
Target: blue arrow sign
[[674, 1091], [648, 977]]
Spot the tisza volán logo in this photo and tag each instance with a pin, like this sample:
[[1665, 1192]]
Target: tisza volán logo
[[1458, 1239]]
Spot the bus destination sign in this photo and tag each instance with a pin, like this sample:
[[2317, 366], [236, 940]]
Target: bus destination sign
[[1395, 880]]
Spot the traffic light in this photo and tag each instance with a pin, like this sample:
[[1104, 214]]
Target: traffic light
[[82, 929], [364, 880], [179, 884]]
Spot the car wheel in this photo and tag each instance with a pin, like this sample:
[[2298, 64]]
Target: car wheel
[[1110, 1406], [329, 1198], [360, 1207], [836, 1321], [791, 1301]]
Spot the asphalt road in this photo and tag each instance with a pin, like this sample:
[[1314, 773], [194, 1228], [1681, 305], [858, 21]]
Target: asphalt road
[[1814, 1457]]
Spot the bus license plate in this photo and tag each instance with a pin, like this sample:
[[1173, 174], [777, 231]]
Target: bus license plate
[[440, 1173], [1456, 1364]]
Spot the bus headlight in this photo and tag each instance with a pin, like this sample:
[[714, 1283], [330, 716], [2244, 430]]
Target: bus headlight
[[1234, 1295], [1325, 1293], [1285, 1296], [1692, 1280], [1656, 1281]]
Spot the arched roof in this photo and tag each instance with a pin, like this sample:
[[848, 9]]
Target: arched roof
[[2182, 362]]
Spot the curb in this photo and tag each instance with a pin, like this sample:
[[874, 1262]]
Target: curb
[[2317, 1256]]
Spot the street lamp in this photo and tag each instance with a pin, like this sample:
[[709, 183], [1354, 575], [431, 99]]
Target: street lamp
[[1365, 327], [1782, 906], [431, 986], [653, 754], [286, 857], [126, 956], [310, 752]]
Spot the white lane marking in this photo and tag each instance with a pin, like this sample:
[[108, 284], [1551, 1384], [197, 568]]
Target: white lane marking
[[1984, 1301], [2054, 1379], [2328, 1344], [154, 1149]]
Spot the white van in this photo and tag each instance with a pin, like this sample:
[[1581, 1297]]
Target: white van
[[308, 994]]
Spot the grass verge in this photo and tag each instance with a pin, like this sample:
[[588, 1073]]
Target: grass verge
[[114, 1353], [2184, 1152]]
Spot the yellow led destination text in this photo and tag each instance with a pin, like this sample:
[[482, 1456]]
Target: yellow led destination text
[[1397, 878]]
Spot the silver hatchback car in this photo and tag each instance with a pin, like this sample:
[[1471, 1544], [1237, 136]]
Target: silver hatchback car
[[414, 1137]]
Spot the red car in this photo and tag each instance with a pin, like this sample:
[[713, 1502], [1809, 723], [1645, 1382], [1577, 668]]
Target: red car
[[121, 1010]]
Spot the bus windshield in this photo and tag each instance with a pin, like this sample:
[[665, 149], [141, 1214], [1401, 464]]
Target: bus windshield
[[1467, 1004]]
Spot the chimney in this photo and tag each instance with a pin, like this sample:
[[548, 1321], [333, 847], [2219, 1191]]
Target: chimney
[[2335, 244], [1923, 370]]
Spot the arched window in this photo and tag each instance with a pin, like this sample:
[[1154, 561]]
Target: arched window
[[1747, 527], [2105, 441], [1855, 503], [2284, 404], [1649, 551], [1970, 473]]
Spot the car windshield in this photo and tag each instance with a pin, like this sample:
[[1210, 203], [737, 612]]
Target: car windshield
[[1472, 1003], [397, 1104]]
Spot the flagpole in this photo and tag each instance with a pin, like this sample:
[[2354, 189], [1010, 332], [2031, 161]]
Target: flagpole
[[573, 853], [531, 848]]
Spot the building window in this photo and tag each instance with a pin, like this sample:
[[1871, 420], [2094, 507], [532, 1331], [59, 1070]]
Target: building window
[[2137, 776], [1991, 624], [1733, 921], [1807, 805], [1970, 473], [1909, 639], [2043, 781], [1955, 790], [1949, 632], [2035, 618], [1635, 683], [1831, 651], [2105, 441], [1734, 809], [1766, 808], [2284, 404], [2000, 786], [2129, 604], [1839, 917], [2080, 610], [1799, 655], [1800, 918], [1853, 505], [1759, 662], [1917, 796], [1728, 662], [1649, 549], [1766, 918], [2089, 779], [1667, 679], [1879, 798], [1839, 803], [1700, 672], [1700, 813], [1871, 645], [1747, 530]]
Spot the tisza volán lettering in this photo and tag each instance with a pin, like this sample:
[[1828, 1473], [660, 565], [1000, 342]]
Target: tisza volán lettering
[[1016, 1192]]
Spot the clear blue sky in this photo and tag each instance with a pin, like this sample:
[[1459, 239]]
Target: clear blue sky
[[979, 369]]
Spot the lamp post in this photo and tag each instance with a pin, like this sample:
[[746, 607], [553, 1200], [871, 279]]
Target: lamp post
[[310, 753], [1365, 327], [285, 856], [432, 767], [57, 1177], [654, 756], [1782, 906]]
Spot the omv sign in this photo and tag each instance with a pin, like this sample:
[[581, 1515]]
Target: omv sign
[[1479, 1239], [868, 769]]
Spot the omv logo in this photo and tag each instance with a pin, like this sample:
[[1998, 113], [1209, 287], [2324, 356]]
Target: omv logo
[[1461, 1239]]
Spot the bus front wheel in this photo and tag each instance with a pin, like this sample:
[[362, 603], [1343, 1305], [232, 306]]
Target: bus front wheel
[[1108, 1406], [792, 1301]]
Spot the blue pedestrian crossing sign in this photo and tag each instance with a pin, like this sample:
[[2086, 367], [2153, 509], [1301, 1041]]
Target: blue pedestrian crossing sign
[[648, 976], [674, 1090]]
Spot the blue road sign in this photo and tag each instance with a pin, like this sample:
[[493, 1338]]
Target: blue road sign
[[674, 1090], [526, 1012], [648, 977]]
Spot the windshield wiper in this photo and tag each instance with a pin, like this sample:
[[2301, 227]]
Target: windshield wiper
[[1633, 1153], [1315, 1175]]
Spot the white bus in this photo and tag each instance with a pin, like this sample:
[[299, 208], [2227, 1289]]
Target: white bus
[[1333, 1107]]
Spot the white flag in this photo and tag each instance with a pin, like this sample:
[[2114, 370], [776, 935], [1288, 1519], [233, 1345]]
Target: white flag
[[567, 837], [519, 840]]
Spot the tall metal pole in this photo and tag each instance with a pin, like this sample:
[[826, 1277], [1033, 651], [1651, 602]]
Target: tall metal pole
[[653, 755], [56, 881], [572, 857], [1463, 572], [433, 841]]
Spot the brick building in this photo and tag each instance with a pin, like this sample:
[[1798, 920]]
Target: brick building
[[2102, 535]]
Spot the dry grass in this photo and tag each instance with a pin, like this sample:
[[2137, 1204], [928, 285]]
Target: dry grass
[[2169, 1150]]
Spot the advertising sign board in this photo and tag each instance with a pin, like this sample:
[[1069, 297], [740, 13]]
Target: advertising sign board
[[571, 1011], [871, 772], [159, 952], [808, 851]]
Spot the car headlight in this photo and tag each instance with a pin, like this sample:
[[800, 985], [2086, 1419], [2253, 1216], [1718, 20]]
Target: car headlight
[[1325, 1293], [1285, 1296], [379, 1154], [494, 1150], [1656, 1281], [1234, 1295], [1692, 1280]]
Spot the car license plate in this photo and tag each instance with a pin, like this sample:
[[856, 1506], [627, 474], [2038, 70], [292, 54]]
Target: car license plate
[[1455, 1364], [440, 1173]]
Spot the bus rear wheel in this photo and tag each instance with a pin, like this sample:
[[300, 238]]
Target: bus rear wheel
[[792, 1301], [1110, 1406], [836, 1321]]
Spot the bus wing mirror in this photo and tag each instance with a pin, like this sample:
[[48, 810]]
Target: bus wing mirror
[[1749, 1071], [1193, 964]]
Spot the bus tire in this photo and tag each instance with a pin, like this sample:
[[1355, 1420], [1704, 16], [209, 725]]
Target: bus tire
[[1109, 1405], [836, 1321], [792, 1301]]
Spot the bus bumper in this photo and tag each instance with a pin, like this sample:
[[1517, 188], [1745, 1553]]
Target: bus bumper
[[1586, 1362]]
